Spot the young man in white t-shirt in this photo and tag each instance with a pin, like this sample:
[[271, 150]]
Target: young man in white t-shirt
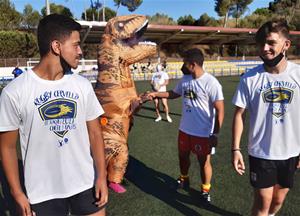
[[55, 113], [271, 94], [202, 117], [159, 82]]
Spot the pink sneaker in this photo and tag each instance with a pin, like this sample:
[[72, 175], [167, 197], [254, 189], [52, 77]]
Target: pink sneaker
[[118, 188]]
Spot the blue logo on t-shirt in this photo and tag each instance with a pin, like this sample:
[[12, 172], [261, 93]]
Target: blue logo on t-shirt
[[278, 98], [59, 115], [278, 95]]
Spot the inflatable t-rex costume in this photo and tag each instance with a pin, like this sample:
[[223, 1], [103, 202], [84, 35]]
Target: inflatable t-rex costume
[[115, 89]]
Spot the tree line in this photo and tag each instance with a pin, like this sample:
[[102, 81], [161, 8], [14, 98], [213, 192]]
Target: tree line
[[17, 37]]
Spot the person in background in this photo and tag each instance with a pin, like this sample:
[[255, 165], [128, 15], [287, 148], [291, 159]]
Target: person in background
[[159, 82], [17, 71]]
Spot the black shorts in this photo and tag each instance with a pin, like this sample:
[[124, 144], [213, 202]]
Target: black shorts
[[267, 173], [79, 204]]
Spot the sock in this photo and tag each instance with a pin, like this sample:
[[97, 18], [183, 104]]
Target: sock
[[206, 187], [184, 177]]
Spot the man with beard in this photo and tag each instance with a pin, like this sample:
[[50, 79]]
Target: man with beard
[[202, 118], [271, 94]]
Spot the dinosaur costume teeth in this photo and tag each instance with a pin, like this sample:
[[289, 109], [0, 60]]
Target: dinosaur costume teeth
[[120, 47], [147, 43], [143, 26]]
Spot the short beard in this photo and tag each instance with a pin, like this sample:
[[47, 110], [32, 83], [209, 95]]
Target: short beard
[[65, 66]]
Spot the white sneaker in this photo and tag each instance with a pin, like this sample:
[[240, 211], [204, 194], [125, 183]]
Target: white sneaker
[[158, 119], [169, 119]]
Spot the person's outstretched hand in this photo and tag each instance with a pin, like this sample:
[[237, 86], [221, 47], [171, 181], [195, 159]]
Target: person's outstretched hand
[[147, 96], [150, 95]]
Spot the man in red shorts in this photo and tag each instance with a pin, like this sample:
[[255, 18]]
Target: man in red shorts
[[202, 117]]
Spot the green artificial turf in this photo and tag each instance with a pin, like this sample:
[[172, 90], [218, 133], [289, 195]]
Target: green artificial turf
[[153, 169]]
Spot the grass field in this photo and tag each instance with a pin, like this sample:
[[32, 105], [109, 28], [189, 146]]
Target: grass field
[[153, 169]]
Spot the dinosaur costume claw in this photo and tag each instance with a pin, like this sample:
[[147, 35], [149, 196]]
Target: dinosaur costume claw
[[120, 47]]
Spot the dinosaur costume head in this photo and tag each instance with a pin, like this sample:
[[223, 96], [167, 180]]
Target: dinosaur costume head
[[120, 46], [127, 31], [126, 27]]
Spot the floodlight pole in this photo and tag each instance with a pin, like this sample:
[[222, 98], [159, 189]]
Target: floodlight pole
[[103, 11], [47, 7]]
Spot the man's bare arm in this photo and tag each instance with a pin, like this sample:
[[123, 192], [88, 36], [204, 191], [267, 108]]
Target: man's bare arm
[[8, 150], [219, 107], [168, 94], [237, 130], [97, 149]]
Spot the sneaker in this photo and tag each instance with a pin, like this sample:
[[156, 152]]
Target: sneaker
[[118, 188], [169, 119], [205, 196], [183, 183], [158, 119]]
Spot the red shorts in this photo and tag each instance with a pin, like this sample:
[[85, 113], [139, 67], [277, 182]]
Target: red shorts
[[198, 145]]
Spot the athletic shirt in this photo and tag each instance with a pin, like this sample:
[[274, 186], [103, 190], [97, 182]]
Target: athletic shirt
[[159, 78], [198, 113], [51, 117], [273, 102]]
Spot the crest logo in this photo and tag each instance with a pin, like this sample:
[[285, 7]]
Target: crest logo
[[278, 98], [57, 113], [190, 94], [278, 95]]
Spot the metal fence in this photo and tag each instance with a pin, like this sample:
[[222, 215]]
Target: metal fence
[[144, 71], [13, 62]]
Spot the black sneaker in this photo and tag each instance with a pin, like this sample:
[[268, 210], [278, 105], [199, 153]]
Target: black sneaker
[[205, 196], [183, 183]]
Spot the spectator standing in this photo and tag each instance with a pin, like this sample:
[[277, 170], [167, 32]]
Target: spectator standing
[[159, 82]]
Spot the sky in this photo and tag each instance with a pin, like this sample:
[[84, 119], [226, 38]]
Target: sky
[[173, 8]]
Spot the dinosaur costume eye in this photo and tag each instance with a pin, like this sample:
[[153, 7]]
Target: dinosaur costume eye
[[121, 25]]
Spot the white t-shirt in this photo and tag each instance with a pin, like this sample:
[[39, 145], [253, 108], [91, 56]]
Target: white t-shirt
[[51, 117], [273, 101], [198, 113], [158, 79]]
